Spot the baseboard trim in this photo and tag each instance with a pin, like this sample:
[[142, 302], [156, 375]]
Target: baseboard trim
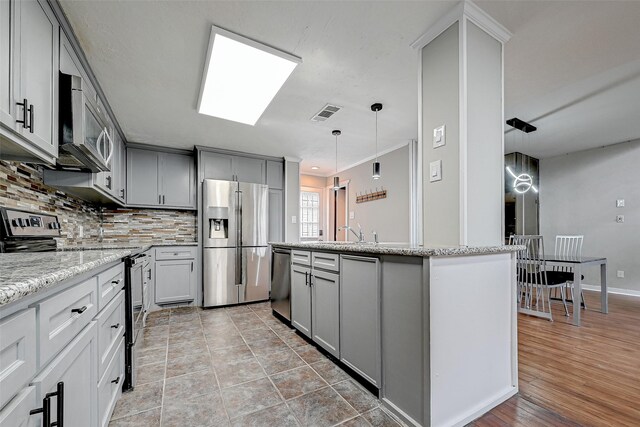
[[501, 398], [617, 291]]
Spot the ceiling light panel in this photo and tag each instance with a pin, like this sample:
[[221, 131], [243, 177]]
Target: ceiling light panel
[[241, 77]]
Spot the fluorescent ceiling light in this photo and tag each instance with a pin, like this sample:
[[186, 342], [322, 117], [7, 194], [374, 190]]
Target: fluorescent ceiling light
[[241, 77], [315, 168]]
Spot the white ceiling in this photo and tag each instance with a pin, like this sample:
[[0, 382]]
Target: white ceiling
[[561, 67]]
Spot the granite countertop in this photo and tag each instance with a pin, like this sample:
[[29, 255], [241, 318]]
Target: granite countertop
[[399, 248], [141, 246], [23, 274]]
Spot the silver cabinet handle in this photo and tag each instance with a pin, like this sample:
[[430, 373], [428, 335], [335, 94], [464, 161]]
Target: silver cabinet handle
[[163, 199], [108, 159], [159, 199]]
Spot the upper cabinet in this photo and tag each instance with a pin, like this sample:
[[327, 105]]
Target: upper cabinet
[[275, 175], [29, 86], [232, 168], [157, 179]]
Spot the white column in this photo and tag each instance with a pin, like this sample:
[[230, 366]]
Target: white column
[[461, 87]]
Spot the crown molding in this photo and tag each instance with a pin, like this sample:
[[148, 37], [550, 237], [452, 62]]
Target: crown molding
[[471, 11], [292, 159]]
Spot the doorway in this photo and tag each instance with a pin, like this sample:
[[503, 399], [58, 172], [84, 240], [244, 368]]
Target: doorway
[[338, 202]]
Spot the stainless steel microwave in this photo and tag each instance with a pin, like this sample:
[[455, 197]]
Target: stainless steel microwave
[[85, 142]]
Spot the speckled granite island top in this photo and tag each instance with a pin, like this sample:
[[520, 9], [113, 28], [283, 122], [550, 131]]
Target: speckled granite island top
[[398, 249], [22, 274]]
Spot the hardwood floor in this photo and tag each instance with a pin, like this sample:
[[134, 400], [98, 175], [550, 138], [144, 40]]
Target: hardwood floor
[[570, 376]]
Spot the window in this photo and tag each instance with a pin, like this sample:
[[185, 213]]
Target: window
[[309, 215]]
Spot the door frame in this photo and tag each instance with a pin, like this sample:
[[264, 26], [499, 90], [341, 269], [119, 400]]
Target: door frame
[[329, 190]]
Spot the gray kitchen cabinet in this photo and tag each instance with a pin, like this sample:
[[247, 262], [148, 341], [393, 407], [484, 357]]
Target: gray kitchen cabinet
[[143, 185], [301, 299], [17, 412], [228, 167], [275, 175], [6, 104], [76, 368], [158, 179], [175, 281], [216, 166], [249, 169], [276, 226], [360, 346], [325, 317], [105, 180], [29, 79]]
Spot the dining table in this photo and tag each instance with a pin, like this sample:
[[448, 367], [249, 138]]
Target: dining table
[[577, 264]]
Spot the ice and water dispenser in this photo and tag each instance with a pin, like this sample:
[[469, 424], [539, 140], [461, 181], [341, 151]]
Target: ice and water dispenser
[[218, 222]]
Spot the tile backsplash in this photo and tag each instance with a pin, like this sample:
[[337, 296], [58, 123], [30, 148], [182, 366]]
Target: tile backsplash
[[22, 187]]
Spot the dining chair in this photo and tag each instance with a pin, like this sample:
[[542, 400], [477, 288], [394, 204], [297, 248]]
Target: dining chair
[[571, 247], [534, 282]]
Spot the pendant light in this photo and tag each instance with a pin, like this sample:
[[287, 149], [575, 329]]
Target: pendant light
[[376, 164], [336, 179]]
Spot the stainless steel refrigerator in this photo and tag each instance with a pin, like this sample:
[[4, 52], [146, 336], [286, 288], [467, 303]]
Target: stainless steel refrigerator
[[235, 251]]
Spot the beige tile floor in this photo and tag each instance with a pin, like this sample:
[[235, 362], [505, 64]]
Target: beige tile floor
[[238, 366]]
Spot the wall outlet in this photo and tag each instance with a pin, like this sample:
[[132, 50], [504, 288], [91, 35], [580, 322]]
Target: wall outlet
[[352, 215], [80, 231], [620, 203], [294, 219], [620, 219], [621, 274]]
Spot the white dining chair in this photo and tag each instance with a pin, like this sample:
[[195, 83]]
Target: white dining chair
[[570, 246], [534, 281]]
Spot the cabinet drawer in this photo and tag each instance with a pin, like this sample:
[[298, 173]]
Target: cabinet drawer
[[110, 385], [17, 353], [17, 412], [109, 284], [63, 316], [301, 257], [110, 330], [325, 261], [176, 252]]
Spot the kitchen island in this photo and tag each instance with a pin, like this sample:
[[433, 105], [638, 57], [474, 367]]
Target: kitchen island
[[434, 329]]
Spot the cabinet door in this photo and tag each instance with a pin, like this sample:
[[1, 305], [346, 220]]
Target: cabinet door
[[104, 180], [17, 353], [7, 107], [17, 412], [360, 316], [122, 173], [216, 166], [301, 299], [36, 80], [325, 294], [142, 177], [275, 174], [177, 177], [175, 281], [76, 367], [276, 219], [247, 169]]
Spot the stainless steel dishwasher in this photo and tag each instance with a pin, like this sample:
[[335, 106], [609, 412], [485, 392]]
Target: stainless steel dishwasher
[[281, 282]]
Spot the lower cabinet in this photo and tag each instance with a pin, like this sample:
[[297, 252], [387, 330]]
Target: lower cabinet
[[18, 412], [301, 299], [176, 275], [325, 319], [360, 346], [75, 367], [110, 386], [315, 295]]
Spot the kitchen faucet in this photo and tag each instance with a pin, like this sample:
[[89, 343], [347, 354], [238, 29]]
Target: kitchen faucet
[[359, 234]]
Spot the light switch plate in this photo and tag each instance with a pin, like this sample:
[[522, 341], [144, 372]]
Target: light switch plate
[[620, 203], [435, 171], [620, 219], [620, 274], [352, 215], [294, 219], [439, 136]]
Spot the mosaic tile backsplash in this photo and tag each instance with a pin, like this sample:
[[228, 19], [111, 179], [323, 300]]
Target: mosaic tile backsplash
[[22, 187]]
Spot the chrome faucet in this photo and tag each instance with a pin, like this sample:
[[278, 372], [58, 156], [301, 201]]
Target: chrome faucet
[[359, 234], [375, 237]]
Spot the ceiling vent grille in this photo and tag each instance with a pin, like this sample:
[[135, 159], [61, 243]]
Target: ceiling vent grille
[[326, 112]]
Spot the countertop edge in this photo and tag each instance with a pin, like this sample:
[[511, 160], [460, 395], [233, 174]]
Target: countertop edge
[[402, 251]]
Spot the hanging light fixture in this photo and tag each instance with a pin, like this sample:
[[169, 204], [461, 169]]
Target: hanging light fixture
[[336, 179], [376, 164]]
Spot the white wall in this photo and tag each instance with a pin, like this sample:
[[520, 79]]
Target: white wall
[[389, 217], [578, 195]]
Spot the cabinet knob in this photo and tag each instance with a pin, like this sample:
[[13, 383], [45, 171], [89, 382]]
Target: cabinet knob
[[116, 381]]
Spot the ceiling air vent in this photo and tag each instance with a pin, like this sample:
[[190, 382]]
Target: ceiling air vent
[[326, 112]]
